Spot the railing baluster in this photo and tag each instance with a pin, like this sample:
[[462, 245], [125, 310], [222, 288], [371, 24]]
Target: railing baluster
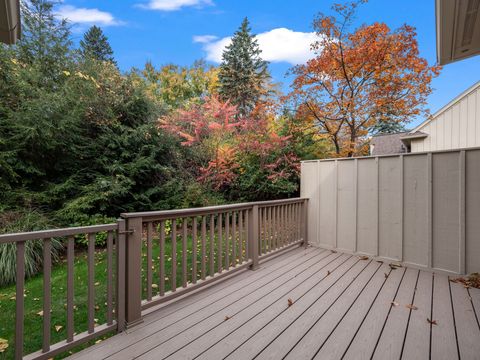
[[47, 294], [110, 278], [19, 305], [212, 244], [70, 288], [247, 236], [234, 238], [287, 222], [162, 258], [274, 229], [149, 260], [268, 245], [184, 252], [194, 250], [227, 240], [241, 236], [298, 220], [270, 229], [91, 282], [204, 247], [174, 255], [121, 250], [220, 243]]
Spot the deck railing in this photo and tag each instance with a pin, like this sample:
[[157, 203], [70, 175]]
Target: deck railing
[[115, 247], [153, 257]]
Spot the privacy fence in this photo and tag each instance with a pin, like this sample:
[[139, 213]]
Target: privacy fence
[[421, 208], [151, 257]]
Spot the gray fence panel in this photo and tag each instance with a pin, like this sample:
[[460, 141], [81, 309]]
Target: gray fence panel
[[328, 204], [390, 222], [346, 209], [367, 213], [415, 202], [446, 218], [472, 213], [310, 189], [422, 209]]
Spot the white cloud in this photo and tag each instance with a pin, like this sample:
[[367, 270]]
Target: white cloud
[[87, 16], [172, 5], [204, 39], [277, 45]]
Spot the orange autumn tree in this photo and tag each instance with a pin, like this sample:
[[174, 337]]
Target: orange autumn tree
[[360, 78]]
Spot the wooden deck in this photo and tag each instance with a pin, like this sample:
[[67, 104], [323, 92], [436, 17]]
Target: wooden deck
[[310, 304]]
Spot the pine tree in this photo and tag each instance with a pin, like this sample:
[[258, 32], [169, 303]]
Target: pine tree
[[45, 40], [243, 73], [95, 45]]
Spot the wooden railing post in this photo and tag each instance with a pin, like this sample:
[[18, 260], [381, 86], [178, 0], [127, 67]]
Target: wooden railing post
[[305, 222], [133, 276], [253, 236]]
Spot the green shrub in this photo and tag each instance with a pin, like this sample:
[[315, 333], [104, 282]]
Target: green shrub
[[16, 221]]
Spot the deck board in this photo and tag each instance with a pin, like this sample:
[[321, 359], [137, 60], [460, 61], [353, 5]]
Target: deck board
[[390, 343], [342, 309], [334, 346], [417, 341], [444, 342]]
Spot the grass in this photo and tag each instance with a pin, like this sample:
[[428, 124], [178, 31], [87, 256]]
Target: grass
[[33, 297]]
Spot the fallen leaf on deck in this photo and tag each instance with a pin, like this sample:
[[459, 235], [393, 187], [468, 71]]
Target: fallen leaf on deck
[[333, 251], [58, 328], [394, 266], [472, 280], [386, 275], [394, 303], [227, 317], [328, 272], [433, 322], [364, 257], [3, 345], [290, 302], [411, 306], [380, 261]]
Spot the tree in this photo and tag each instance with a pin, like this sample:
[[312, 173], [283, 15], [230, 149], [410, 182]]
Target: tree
[[243, 73], [360, 78], [95, 45], [45, 43]]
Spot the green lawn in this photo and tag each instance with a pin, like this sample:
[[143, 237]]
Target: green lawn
[[34, 291]]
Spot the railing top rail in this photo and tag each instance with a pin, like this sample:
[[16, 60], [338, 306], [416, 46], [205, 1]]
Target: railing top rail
[[44, 234], [168, 214]]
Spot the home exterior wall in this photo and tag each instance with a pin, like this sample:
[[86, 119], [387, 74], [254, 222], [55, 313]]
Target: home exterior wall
[[421, 209], [456, 127]]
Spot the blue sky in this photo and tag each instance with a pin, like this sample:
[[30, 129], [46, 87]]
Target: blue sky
[[181, 31]]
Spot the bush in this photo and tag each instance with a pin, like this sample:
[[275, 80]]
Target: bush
[[16, 221]]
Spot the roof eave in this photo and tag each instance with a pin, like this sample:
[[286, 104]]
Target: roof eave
[[10, 28]]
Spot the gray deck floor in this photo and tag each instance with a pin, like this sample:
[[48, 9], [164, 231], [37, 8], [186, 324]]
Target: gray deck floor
[[343, 308]]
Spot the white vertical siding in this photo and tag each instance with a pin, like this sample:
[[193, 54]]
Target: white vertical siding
[[457, 126]]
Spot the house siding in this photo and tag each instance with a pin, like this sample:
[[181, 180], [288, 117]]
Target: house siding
[[456, 127]]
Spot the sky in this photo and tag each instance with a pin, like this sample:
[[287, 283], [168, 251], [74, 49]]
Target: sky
[[182, 31]]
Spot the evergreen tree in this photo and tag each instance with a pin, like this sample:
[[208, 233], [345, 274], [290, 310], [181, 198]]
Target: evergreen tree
[[95, 45], [45, 42], [243, 73]]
